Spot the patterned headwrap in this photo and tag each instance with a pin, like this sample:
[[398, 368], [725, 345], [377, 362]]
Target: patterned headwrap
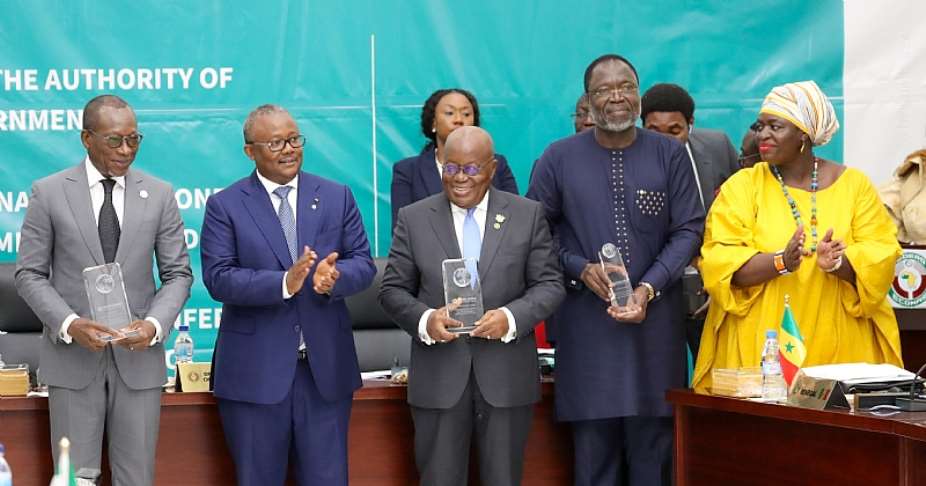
[[804, 105]]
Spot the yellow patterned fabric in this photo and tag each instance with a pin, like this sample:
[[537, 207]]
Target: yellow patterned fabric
[[804, 105], [840, 322]]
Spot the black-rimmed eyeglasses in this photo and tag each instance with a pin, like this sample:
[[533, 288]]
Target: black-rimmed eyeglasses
[[278, 145]]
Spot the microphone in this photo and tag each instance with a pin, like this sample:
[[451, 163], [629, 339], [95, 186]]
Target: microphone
[[913, 404]]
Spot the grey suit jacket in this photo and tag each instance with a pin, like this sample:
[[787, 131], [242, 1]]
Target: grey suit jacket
[[518, 269], [715, 158], [60, 239]]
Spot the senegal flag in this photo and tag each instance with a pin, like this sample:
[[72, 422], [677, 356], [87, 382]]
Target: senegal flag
[[790, 345], [64, 476]]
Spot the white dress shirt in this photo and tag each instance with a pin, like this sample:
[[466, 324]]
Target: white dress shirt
[[97, 194], [459, 214], [694, 167], [271, 186]]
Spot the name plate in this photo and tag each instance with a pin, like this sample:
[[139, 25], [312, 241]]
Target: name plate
[[816, 393], [193, 377]]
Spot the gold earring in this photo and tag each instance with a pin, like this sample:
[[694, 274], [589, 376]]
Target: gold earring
[[802, 146]]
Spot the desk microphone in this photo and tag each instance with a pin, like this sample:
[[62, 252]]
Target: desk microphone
[[913, 404]]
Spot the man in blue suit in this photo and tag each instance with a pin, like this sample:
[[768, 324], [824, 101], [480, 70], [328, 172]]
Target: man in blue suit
[[285, 364]]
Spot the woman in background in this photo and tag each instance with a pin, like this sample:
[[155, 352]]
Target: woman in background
[[418, 177], [802, 226]]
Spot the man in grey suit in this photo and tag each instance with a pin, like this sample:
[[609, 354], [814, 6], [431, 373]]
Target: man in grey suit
[[669, 109], [486, 382], [101, 212]]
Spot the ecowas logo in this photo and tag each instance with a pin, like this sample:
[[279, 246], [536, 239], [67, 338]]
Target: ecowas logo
[[909, 286]]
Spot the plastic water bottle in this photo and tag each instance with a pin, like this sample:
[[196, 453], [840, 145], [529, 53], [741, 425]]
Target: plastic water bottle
[[183, 345], [6, 474], [773, 382]]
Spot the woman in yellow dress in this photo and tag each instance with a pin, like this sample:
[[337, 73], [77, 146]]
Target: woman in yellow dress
[[802, 226]]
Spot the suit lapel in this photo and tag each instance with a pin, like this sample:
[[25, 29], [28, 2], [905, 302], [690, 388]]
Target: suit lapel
[[427, 170], [133, 213], [261, 209], [442, 224], [495, 229], [702, 160], [310, 208], [77, 192]]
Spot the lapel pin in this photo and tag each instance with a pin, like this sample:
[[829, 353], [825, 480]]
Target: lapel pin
[[499, 219], [143, 194], [314, 204]]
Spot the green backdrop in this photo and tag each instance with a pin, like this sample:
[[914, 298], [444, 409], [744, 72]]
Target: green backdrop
[[354, 72]]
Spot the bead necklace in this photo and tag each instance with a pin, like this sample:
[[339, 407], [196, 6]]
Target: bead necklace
[[813, 201]]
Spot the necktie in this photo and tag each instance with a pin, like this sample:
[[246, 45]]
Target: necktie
[[287, 220], [108, 224], [472, 243], [288, 223]]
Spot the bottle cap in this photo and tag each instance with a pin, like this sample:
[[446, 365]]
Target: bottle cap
[[2, 449], [771, 333], [184, 327]]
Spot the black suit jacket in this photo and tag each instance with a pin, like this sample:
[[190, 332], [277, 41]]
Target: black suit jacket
[[715, 158], [416, 178]]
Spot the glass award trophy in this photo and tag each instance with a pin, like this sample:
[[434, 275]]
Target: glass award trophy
[[106, 292], [613, 265], [462, 293]]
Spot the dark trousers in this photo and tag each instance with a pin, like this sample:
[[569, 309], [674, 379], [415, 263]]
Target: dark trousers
[[304, 426], [693, 330], [634, 451], [442, 440]]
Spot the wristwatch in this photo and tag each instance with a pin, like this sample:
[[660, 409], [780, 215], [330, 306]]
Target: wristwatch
[[650, 291]]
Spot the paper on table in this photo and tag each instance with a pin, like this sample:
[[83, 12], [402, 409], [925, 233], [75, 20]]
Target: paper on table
[[853, 373]]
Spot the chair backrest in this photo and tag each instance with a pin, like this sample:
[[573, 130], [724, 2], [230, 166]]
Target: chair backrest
[[15, 315], [23, 329], [378, 339]]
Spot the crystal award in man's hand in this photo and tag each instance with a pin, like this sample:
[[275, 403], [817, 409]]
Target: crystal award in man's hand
[[462, 293], [613, 265], [106, 292]]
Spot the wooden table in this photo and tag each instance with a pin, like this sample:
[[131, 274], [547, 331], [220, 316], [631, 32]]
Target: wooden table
[[720, 441], [191, 447]]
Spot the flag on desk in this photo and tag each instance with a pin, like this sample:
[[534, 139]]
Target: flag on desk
[[790, 345]]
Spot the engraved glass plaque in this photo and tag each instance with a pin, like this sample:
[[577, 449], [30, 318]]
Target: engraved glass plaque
[[106, 292], [613, 265], [462, 293]]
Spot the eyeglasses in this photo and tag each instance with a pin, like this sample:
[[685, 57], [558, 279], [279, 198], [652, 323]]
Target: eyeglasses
[[116, 141], [472, 170], [278, 145], [625, 90]]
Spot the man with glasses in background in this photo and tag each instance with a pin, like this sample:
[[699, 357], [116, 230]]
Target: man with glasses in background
[[281, 249], [634, 189], [103, 378], [481, 386]]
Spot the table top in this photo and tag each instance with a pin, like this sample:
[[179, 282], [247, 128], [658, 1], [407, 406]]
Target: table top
[[905, 424]]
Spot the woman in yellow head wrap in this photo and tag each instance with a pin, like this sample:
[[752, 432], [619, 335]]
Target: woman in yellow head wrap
[[797, 225]]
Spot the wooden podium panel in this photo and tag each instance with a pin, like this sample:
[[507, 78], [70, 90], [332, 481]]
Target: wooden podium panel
[[192, 451], [725, 441]]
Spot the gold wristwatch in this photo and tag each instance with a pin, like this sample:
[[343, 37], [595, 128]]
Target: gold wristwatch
[[650, 291]]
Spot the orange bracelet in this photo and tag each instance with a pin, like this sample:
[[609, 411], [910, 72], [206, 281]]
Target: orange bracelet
[[779, 259]]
